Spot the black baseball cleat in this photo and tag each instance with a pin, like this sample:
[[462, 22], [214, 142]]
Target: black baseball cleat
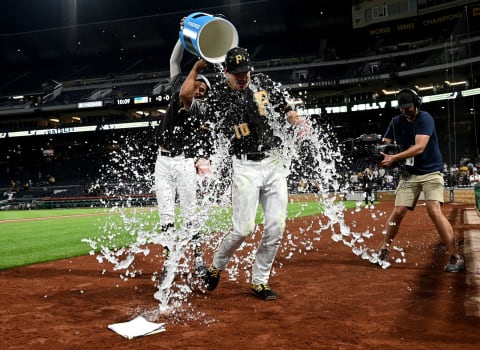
[[383, 258], [200, 268], [455, 264], [166, 251], [212, 277], [163, 274], [263, 291]]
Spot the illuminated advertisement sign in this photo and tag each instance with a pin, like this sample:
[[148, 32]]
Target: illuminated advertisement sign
[[141, 99]]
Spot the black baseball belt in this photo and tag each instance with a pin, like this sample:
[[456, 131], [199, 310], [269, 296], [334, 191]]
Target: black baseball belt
[[167, 154], [256, 156]]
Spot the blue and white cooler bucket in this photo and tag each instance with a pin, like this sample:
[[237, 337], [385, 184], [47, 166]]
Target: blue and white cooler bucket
[[208, 36]]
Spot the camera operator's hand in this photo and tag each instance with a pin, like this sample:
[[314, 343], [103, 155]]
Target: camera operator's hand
[[388, 160]]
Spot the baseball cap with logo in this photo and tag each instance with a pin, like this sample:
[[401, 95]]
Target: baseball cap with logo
[[238, 61]]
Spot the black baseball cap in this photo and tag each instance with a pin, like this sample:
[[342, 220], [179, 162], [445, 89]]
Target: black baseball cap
[[405, 99], [238, 61]]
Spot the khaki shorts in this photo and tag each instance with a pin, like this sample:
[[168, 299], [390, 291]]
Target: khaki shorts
[[409, 189]]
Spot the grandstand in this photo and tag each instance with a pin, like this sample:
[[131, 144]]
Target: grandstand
[[67, 104]]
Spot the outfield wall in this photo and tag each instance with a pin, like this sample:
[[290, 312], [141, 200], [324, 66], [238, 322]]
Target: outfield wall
[[457, 195]]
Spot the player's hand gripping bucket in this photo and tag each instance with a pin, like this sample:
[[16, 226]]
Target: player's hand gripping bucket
[[208, 36]]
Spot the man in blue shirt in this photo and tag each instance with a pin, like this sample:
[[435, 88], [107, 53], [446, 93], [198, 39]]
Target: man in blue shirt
[[414, 131]]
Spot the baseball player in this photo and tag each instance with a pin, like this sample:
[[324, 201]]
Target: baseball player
[[243, 110], [182, 141], [368, 182]]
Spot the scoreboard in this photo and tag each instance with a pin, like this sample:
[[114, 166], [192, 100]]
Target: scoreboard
[[162, 100]]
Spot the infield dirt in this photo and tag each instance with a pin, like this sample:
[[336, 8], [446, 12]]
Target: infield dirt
[[328, 299]]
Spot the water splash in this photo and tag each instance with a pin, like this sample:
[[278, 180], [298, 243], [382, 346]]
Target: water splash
[[133, 227]]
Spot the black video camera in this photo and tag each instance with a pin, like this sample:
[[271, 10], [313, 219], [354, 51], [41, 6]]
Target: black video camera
[[389, 148]]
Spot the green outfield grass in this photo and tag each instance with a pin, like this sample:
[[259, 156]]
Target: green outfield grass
[[46, 235]]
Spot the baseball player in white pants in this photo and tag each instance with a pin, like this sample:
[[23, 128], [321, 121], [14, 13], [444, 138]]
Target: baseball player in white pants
[[182, 142], [246, 110], [253, 182], [175, 175]]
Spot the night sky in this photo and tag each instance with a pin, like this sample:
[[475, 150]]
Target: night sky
[[31, 15]]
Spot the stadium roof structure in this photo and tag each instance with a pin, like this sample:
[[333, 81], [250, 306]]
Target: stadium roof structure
[[78, 40], [69, 40], [104, 59], [74, 73]]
